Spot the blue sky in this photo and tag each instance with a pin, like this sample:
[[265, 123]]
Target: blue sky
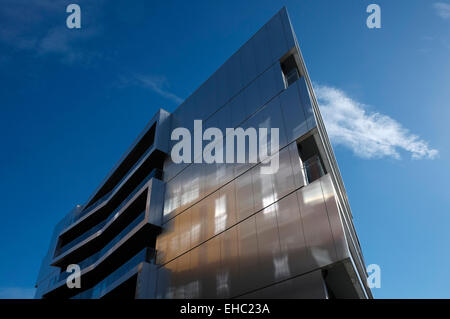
[[72, 101]]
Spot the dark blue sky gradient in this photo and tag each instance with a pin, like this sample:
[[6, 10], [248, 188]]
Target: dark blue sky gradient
[[72, 101]]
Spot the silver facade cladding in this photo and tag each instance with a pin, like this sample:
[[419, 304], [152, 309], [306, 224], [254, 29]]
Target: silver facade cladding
[[225, 230]]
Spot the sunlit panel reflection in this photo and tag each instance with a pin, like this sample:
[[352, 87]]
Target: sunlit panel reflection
[[220, 215], [281, 266], [222, 284]]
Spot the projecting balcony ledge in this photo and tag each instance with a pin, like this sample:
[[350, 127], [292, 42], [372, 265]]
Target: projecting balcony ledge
[[103, 201], [59, 259], [141, 228], [62, 250]]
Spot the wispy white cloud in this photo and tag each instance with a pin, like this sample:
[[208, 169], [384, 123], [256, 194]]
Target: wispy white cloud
[[442, 9], [367, 134], [65, 43], [17, 293], [159, 85], [39, 26]]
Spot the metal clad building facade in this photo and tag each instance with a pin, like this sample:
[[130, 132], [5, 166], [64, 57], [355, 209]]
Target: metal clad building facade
[[156, 229]]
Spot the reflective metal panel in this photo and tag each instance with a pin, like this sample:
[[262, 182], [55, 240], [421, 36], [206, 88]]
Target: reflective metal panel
[[164, 244], [228, 276], [248, 63], [183, 229], [206, 217], [234, 75], [212, 269], [335, 218], [272, 265], [225, 211], [306, 103], [284, 178], [238, 109], [288, 31], [316, 225], [198, 226], [270, 83], [221, 86], [182, 277], [299, 173], [294, 252], [263, 194], [277, 43], [166, 283], [248, 255], [308, 286], [262, 50], [252, 98], [293, 114], [244, 195]]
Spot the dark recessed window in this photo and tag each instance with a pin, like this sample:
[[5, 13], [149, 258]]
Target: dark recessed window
[[290, 70], [313, 167]]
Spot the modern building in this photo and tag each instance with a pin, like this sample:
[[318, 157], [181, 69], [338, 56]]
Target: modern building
[[156, 229]]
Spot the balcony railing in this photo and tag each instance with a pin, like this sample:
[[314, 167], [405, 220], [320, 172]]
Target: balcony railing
[[145, 255], [96, 256], [154, 173], [313, 169], [104, 197]]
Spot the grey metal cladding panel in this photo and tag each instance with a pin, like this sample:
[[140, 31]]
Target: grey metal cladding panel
[[294, 251], [206, 210], [299, 173], [287, 27], [196, 272], [252, 98], [269, 117], [244, 196], [248, 62], [209, 88], [308, 286], [234, 75], [334, 217], [239, 109], [293, 114], [277, 40], [263, 194], [162, 136], [183, 228], [270, 83], [225, 172], [197, 225], [248, 255], [166, 243], [215, 210], [172, 197], [171, 169], [182, 191], [272, 265], [156, 200], [261, 47], [146, 282], [316, 225], [195, 184], [209, 178], [284, 178], [228, 283], [221, 119], [166, 283], [226, 212], [221, 86], [305, 99], [182, 279], [212, 269]]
